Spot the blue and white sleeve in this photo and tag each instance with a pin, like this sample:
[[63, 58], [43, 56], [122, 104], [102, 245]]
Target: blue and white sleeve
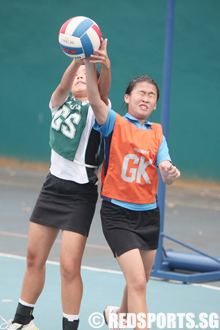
[[163, 152]]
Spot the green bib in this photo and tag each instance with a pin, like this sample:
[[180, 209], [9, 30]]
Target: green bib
[[67, 126]]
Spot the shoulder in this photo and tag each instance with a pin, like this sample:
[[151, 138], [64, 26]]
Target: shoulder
[[54, 110]]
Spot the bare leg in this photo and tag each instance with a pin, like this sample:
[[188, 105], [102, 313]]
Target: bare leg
[[72, 248], [136, 266], [124, 304], [40, 241], [148, 258]]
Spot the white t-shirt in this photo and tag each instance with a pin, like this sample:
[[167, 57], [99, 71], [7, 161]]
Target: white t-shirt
[[72, 170]]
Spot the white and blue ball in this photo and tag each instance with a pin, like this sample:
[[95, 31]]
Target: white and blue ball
[[79, 37]]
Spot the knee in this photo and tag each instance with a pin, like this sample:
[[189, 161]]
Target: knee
[[31, 258], [138, 285], [34, 260], [69, 271]]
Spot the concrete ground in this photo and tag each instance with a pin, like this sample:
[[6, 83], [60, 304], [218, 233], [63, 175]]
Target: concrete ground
[[192, 215]]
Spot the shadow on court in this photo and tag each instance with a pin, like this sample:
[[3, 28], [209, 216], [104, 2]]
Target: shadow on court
[[192, 215]]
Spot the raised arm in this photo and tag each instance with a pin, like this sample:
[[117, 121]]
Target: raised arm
[[99, 108], [168, 172], [63, 89], [101, 57]]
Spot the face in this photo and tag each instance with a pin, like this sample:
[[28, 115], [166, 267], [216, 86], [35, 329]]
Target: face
[[79, 84], [142, 101]]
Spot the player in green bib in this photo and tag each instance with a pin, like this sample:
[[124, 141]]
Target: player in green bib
[[68, 197]]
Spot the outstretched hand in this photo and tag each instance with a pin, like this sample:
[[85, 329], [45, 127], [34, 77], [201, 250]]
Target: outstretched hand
[[100, 56]]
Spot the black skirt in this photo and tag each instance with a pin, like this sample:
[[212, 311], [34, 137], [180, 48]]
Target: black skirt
[[126, 230], [66, 205]]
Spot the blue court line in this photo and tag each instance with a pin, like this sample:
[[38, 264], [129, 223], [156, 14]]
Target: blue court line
[[101, 288]]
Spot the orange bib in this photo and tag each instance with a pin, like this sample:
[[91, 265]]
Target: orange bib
[[132, 176]]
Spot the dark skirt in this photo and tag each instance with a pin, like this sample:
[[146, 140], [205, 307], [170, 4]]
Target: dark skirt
[[66, 205], [126, 230]]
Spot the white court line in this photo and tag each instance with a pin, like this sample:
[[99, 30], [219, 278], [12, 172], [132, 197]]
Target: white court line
[[57, 264], [103, 270], [207, 286]]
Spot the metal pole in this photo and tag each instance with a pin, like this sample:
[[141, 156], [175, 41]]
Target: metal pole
[[167, 73]]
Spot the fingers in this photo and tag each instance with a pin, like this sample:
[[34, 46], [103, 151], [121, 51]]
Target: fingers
[[177, 174], [100, 57], [170, 171], [174, 172], [98, 54], [103, 46], [166, 168], [102, 51]]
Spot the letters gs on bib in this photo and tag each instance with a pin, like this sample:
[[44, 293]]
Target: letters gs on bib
[[79, 37], [66, 125]]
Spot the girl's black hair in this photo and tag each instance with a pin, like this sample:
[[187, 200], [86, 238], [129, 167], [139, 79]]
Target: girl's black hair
[[140, 79], [132, 84], [98, 73]]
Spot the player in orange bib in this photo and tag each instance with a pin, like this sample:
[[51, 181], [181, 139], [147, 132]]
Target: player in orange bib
[[134, 147]]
